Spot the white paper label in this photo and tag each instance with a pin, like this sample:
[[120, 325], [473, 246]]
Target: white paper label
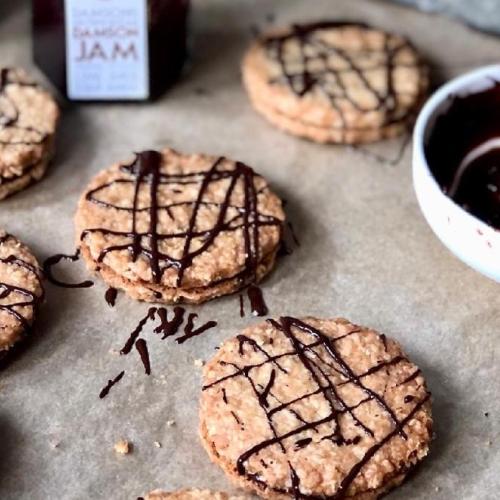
[[107, 49]]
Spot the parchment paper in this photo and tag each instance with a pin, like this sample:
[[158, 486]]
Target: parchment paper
[[366, 253]]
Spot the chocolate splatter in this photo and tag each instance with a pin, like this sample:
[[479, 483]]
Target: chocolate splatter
[[257, 304], [242, 306], [142, 349], [53, 261], [190, 331], [166, 327], [169, 328], [138, 329], [110, 384], [110, 296]]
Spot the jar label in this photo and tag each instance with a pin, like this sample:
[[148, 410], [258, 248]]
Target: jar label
[[107, 54]]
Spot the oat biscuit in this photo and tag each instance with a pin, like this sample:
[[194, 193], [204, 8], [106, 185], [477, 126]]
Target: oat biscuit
[[21, 290], [28, 121], [314, 409], [339, 82], [168, 227], [194, 494]]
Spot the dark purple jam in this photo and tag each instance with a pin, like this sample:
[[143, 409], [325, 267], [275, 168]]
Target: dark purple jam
[[117, 50], [463, 151]]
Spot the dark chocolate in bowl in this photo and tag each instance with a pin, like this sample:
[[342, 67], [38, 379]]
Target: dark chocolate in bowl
[[462, 149]]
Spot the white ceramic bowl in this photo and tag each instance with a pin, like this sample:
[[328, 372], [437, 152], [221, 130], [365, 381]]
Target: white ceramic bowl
[[470, 239]]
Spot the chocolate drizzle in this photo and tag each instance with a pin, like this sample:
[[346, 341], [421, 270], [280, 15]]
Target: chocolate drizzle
[[10, 128], [53, 261], [190, 331], [170, 327], [110, 296], [110, 384], [320, 358], [137, 331], [12, 297], [242, 306], [142, 349], [146, 172], [312, 69], [257, 304], [166, 327]]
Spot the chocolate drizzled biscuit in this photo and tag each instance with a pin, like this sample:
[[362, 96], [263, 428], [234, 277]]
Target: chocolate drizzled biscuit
[[336, 81], [309, 408], [21, 290], [28, 121], [168, 227]]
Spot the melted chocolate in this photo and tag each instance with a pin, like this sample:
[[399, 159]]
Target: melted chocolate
[[29, 298], [316, 72], [146, 171], [169, 328], [242, 306], [463, 151], [166, 327], [110, 296], [257, 303], [53, 261], [190, 331], [110, 384], [142, 349], [318, 366], [10, 123], [138, 329]]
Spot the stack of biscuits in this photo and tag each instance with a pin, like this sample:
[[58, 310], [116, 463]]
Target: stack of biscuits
[[28, 122]]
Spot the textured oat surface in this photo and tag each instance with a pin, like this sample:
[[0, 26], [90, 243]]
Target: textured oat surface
[[366, 253], [300, 403], [201, 205], [193, 494], [336, 82], [28, 120], [21, 290]]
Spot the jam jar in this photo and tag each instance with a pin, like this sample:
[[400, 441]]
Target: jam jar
[[110, 50]]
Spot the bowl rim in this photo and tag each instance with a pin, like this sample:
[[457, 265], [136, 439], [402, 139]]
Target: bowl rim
[[450, 88]]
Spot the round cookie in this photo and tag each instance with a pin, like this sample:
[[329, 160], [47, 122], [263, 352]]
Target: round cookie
[[28, 121], [21, 290], [333, 81], [310, 408], [193, 494], [168, 227]]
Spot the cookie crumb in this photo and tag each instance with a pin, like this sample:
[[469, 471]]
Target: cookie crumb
[[437, 488], [157, 444], [198, 363], [170, 423], [490, 442], [123, 447]]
